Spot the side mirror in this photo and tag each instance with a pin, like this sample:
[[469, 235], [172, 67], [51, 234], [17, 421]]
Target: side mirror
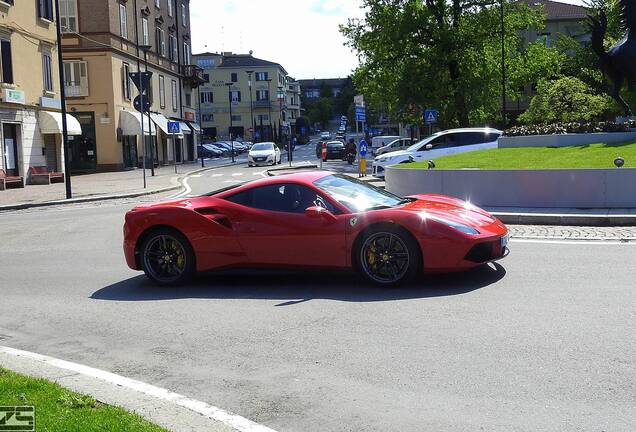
[[428, 146], [317, 212]]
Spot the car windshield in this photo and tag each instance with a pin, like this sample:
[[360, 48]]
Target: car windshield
[[417, 146], [356, 195], [335, 145], [263, 146]]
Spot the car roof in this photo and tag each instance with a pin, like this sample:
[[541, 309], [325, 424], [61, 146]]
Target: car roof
[[476, 129]]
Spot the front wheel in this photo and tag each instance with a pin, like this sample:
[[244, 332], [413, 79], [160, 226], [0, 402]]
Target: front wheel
[[167, 257], [388, 256]]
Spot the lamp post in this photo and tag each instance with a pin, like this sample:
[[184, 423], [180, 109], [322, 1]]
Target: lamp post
[[67, 153], [145, 49], [269, 105], [229, 90], [201, 128], [249, 83], [503, 64]]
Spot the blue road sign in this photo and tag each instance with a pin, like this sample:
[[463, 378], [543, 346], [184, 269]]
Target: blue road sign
[[174, 127], [430, 116], [361, 117], [363, 148]]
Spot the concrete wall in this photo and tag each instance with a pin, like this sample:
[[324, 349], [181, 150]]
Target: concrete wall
[[565, 140], [579, 188]]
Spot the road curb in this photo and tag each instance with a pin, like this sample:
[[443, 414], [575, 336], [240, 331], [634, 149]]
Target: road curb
[[572, 219], [177, 182], [161, 406], [272, 172]]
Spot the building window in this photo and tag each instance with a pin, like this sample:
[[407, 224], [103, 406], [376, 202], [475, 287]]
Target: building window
[[45, 9], [186, 53], [123, 21], [145, 31], [75, 78], [184, 15], [262, 95], [6, 62], [236, 118], [206, 78], [68, 16], [261, 76], [173, 53], [235, 96], [125, 81], [47, 71], [234, 77], [174, 95], [161, 42], [207, 117], [207, 97], [188, 99], [158, 4], [263, 118], [170, 8], [162, 92]]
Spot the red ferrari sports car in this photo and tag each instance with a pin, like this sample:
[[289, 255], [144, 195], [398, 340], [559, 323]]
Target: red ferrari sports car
[[311, 220]]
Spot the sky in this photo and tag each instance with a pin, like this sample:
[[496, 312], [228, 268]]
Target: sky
[[301, 35]]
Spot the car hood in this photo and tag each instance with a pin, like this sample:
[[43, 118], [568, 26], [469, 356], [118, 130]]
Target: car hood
[[402, 153], [452, 209]]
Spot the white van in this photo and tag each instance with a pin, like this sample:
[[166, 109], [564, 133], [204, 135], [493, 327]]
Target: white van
[[438, 145], [381, 141]]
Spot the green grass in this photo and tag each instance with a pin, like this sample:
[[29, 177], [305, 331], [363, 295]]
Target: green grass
[[58, 409], [588, 156]]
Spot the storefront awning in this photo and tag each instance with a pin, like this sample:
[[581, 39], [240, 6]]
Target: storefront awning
[[130, 123], [51, 123], [195, 126], [185, 128], [162, 123]]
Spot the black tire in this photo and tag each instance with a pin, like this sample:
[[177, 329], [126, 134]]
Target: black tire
[[167, 258], [387, 255]]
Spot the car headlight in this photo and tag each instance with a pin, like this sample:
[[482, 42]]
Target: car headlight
[[466, 229]]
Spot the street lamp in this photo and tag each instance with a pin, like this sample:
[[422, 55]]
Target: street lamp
[[229, 90], [269, 104], [249, 83], [145, 49], [67, 152]]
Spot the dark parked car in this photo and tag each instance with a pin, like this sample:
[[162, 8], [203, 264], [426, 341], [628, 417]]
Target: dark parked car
[[208, 151]]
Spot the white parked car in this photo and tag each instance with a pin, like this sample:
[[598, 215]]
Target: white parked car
[[440, 144], [397, 145], [265, 153], [325, 135], [381, 141]]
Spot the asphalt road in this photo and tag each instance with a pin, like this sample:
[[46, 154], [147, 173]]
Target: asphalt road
[[543, 342]]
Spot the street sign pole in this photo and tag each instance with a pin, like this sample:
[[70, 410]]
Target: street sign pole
[[174, 128]]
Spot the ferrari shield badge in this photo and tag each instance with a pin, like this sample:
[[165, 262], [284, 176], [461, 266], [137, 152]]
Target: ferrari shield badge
[[353, 221]]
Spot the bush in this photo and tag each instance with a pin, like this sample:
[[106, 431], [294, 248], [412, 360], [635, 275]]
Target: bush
[[571, 127], [566, 100]]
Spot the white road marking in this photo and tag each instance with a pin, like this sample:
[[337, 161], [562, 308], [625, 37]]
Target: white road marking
[[237, 174], [187, 190], [197, 175], [216, 175], [235, 421], [598, 242]]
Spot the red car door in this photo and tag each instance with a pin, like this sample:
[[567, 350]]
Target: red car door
[[274, 230]]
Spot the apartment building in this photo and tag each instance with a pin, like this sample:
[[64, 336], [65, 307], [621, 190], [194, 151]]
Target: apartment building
[[105, 40], [263, 99], [30, 118]]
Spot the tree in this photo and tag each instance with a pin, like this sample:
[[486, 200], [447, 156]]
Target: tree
[[566, 99], [444, 54], [321, 111]]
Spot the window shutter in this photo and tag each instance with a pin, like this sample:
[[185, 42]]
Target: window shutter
[[7, 64]]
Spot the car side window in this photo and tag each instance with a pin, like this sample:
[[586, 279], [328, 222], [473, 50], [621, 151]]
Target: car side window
[[287, 197], [444, 141], [472, 138]]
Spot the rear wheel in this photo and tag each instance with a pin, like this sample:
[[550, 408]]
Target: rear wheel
[[388, 256], [167, 257]]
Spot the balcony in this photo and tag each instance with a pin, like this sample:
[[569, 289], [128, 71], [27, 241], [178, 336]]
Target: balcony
[[262, 104], [192, 75], [76, 88]]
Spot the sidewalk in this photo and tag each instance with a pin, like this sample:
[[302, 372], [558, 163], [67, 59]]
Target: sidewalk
[[104, 185]]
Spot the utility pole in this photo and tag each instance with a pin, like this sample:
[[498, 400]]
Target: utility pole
[[249, 83], [145, 49], [269, 104], [67, 152], [229, 90]]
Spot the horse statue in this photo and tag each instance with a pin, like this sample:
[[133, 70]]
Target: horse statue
[[619, 62]]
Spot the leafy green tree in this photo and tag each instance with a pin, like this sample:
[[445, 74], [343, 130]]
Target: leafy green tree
[[321, 111], [444, 54], [566, 99]]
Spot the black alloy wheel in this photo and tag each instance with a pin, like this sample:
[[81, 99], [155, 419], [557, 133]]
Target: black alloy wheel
[[389, 257], [167, 257]]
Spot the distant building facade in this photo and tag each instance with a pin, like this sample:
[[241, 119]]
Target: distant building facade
[[311, 88], [105, 40], [30, 118], [264, 99]]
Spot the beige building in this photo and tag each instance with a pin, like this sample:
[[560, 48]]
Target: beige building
[[264, 98], [105, 40], [30, 105]]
